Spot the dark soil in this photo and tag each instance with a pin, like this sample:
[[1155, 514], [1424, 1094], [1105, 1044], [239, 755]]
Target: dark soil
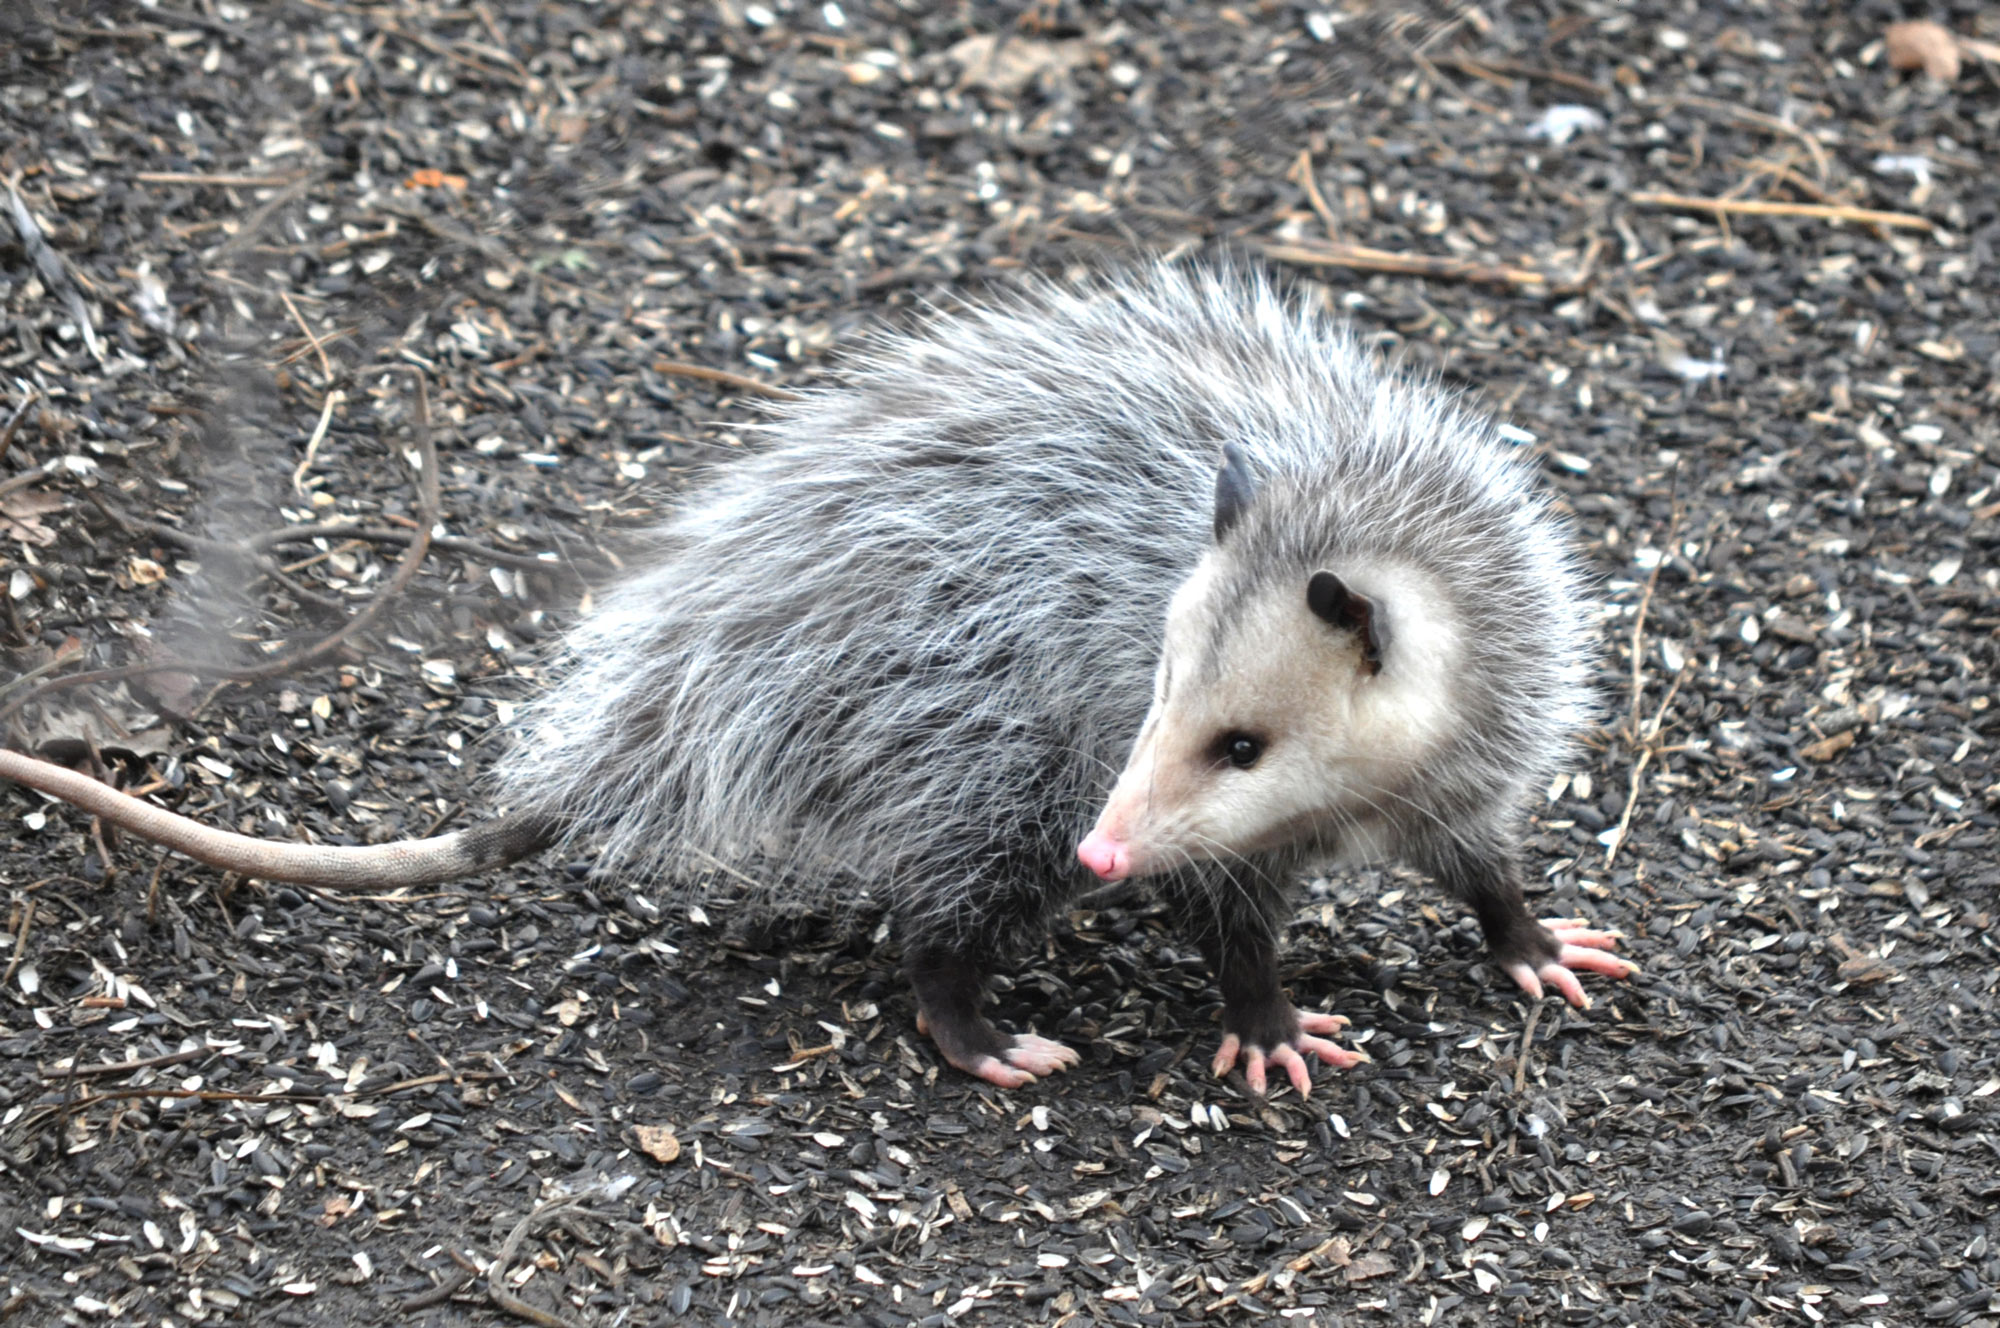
[[1778, 434]]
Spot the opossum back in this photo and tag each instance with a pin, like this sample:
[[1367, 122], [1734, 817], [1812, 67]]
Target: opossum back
[[911, 639], [913, 633]]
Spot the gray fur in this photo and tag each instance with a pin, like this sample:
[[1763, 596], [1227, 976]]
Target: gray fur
[[905, 647]]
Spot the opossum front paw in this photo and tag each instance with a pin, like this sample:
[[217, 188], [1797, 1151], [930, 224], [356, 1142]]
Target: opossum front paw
[[1289, 1055], [1582, 949]]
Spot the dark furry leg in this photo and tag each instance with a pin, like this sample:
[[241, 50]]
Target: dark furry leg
[[1531, 952], [1238, 931], [950, 983]]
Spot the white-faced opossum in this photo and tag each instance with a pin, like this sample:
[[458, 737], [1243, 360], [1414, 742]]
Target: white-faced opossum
[[902, 649]]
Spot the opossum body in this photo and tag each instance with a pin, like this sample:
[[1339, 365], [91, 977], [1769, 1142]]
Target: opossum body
[[908, 644], [903, 649]]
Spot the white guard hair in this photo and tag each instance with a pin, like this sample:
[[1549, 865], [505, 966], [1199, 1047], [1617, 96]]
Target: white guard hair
[[907, 644]]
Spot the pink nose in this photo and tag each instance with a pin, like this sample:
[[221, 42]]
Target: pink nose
[[1106, 856]]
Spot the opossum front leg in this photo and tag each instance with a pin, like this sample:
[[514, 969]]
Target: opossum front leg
[[950, 983], [1535, 954], [1259, 1024]]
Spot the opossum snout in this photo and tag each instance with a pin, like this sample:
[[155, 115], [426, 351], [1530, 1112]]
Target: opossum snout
[[1110, 858]]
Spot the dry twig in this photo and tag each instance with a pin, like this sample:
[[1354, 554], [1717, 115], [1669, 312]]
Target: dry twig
[[325, 365], [1757, 207], [429, 501], [327, 407], [1744, 115], [1527, 1042], [680, 369], [20, 941], [14, 422], [496, 1272], [1306, 178], [1361, 258]]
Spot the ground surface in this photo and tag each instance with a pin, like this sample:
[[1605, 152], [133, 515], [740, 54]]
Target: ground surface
[[1790, 1116]]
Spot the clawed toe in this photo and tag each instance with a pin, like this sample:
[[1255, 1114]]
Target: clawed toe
[[1039, 1055], [1339, 1057], [1294, 1058], [998, 1073], [1575, 931], [1025, 1059], [1583, 950]]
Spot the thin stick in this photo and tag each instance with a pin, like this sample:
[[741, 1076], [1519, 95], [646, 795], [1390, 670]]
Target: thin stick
[[1763, 121], [130, 1067], [1527, 1041], [526, 82], [333, 399], [1364, 259], [317, 344], [253, 225], [438, 1294], [153, 885], [680, 369], [1639, 632], [20, 941], [1642, 754], [496, 1272], [24, 479], [1302, 172], [219, 181], [1646, 753], [1478, 67], [1757, 207], [345, 546], [325, 366], [14, 421], [429, 500], [66, 652]]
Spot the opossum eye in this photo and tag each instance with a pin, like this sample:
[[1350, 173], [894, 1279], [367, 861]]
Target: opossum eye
[[1240, 749]]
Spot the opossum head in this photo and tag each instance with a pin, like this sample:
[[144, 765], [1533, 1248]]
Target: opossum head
[[1290, 706]]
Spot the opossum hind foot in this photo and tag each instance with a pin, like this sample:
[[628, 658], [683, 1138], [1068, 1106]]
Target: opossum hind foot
[[1292, 1057], [949, 987], [987, 1053], [1583, 950]]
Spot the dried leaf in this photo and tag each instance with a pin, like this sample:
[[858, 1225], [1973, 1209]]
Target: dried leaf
[[1921, 44], [657, 1142], [1863, 970], [1827, 748], [1365, 1266], [1007, 65], [20, 514]]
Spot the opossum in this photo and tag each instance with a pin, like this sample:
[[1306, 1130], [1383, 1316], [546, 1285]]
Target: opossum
[[902, 651]]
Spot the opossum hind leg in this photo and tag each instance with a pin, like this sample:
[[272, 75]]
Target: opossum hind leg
[[949, 984]]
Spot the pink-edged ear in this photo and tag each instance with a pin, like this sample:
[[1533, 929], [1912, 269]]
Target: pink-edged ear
[[1337, 606]]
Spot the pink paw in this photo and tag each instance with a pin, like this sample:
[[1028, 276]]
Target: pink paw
[[1027, 1059], [1287, 1056], [1582, 951]]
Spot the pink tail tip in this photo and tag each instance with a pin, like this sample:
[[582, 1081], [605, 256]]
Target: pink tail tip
[[1111, 860]]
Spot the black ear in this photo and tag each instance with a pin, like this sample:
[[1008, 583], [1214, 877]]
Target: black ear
[[1234, 489], [1333, 603]]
